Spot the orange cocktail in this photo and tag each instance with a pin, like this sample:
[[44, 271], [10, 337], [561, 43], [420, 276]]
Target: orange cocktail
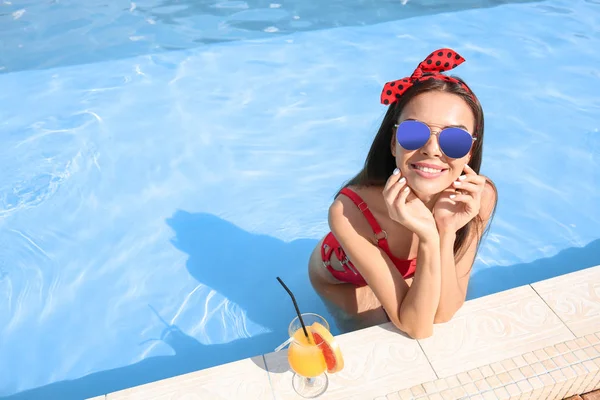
[[305, 356], [310, 356]]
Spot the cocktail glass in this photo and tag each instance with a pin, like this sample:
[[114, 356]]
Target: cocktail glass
[[306, 356]]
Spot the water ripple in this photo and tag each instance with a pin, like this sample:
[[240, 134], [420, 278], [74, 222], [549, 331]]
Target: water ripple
[[255, 136]]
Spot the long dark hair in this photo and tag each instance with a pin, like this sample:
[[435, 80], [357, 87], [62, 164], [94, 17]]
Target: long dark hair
[[380, 163]]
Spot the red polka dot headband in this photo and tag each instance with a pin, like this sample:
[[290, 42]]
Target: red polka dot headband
[[433, 66]]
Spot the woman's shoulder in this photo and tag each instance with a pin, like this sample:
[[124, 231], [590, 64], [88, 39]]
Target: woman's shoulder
[[344, 204], [349, 206], [358, 198], [348, 224]]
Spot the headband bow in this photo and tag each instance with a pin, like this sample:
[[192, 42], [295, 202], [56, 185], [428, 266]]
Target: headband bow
[[437, 62]]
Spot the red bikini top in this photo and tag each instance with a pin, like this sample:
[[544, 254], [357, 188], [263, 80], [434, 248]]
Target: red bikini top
[[406, 267]]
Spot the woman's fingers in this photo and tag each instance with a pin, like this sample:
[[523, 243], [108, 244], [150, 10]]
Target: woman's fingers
[[469, 187], [461, 198], [391, 191], [470, 184], [471, 176], [401, 199], [469, 171], [396, 175]]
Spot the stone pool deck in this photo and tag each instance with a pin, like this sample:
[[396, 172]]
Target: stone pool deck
[[539, 341]]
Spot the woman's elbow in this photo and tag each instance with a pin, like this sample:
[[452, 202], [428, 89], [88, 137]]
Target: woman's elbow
[[416, 332], [420, 334], [442, 318], [423, 331], [445, 315]]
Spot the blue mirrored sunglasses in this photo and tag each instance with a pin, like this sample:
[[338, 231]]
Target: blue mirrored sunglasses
[[454, 142]]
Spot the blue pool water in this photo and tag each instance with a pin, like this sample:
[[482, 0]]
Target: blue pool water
[[163, 161]]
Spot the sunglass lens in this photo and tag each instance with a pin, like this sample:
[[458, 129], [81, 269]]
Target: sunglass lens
[[412, 135], [455, 142]]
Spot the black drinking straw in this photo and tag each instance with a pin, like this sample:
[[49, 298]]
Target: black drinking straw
[[296, 306]]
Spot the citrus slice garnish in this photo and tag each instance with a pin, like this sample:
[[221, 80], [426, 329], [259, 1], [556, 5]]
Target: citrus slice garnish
[[329, 347]]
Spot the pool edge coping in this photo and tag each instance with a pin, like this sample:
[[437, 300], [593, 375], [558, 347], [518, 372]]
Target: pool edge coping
[[579, 374]]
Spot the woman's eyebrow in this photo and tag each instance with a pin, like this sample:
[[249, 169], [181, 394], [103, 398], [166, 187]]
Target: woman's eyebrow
[[457, 126]]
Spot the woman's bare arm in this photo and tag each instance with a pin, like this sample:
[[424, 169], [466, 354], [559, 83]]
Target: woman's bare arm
[[412, 309], [456, 274]]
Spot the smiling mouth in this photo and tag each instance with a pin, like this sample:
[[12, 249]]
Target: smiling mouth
[[429, 170]]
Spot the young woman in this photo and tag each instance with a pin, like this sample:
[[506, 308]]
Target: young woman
[[406, 229]]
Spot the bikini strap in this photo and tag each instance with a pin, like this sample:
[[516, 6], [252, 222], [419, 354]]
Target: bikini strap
[[380, 234]]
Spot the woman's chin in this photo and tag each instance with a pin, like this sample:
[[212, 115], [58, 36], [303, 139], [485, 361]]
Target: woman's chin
[[425, 191]]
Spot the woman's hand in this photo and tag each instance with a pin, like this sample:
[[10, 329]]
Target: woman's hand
[[453, 209], [406, 208]]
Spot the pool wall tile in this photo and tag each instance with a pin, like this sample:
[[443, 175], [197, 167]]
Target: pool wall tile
[[575, 298], [493, 328]]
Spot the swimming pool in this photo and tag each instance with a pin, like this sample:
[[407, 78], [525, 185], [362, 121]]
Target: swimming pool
[[162, 162]]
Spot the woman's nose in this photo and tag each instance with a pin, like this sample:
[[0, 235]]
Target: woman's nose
[[432, 147]]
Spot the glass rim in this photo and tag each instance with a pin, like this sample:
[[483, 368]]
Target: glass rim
[[296, 320]]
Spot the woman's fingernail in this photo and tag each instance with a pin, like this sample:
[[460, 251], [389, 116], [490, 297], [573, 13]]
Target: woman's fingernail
[[452, 196], [462, 177], [456, 183], [396, 171], [402, 180], [406, 189]]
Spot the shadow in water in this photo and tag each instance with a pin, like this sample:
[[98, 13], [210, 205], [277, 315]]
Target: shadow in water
[[242, 266], [498, 278], [170, 25]]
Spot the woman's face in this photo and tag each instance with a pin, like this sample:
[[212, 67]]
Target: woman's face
[[427, 170]]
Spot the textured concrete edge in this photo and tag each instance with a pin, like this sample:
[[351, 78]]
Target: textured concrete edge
[[565, 369], [554, 372], [558, 370]]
